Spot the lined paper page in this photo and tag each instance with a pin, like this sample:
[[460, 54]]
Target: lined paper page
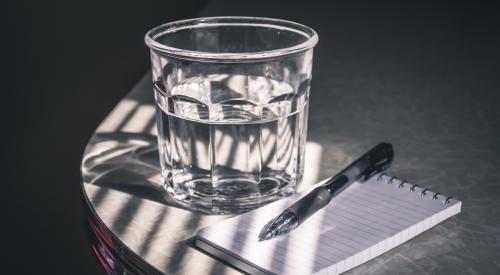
[[360, 223]]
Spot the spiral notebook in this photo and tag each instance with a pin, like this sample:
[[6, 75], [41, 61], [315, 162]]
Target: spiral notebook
[[364, 220]]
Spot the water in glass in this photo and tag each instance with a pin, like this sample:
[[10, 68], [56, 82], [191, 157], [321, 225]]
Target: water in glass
[[231, 140]]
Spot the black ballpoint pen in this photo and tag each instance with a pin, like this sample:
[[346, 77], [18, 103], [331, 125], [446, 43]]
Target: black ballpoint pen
[[376, 160]]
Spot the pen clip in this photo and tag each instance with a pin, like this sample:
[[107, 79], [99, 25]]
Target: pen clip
[[380, 157]]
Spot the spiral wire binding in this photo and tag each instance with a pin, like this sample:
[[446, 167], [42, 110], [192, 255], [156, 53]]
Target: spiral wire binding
[[402, 183], [412, 189], [381, 176]]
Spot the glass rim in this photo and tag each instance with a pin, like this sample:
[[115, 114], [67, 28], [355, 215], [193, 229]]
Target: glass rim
[[310, 35]]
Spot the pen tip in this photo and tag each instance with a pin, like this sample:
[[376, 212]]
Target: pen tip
[[265, 235]]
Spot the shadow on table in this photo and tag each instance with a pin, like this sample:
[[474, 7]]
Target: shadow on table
[[126, 162]]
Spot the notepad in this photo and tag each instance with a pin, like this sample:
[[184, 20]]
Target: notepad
[[363, 221]]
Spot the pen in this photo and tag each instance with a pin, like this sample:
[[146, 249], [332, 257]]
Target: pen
[[376, 160]]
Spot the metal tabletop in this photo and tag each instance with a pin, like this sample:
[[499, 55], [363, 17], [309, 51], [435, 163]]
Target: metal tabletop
[[442, 114]]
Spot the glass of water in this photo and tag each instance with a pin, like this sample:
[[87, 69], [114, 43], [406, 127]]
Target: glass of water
[[232, 96]]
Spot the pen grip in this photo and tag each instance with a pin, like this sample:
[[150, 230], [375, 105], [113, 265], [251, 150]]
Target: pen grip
[[311, 203]]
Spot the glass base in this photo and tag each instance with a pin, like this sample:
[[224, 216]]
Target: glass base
[[229, 196]]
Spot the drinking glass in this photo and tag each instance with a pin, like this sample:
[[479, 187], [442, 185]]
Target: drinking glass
[[231, 95]]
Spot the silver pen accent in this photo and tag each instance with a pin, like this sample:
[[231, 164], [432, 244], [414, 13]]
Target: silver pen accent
[[282, 224]]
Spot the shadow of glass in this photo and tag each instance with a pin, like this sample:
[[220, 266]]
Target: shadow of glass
[[126, 162]]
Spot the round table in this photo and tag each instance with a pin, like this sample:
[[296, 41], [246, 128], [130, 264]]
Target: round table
[[135, 226]]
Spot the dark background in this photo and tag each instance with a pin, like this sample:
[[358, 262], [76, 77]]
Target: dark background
[[69, 63]]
